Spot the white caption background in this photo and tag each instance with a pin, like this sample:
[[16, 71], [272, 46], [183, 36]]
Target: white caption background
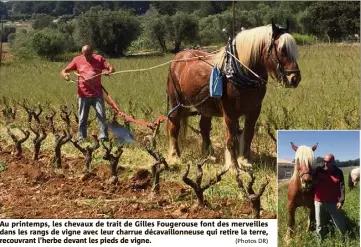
[[211, 232]]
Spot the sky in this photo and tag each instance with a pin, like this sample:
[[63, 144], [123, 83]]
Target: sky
[[344, 145]]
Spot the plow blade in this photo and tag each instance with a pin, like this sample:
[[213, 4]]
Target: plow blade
[[121, 132]]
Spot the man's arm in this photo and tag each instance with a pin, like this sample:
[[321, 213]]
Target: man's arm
[[109, 70], [108, 67], [65, 72], [341, 200]]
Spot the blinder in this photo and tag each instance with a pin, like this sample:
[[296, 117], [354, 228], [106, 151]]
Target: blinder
[[281, 71]]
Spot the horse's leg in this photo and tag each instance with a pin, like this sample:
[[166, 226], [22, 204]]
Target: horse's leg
[[231, 142], [174, 125], [311, 219], [291, 220], [247, 136], [205, 125]]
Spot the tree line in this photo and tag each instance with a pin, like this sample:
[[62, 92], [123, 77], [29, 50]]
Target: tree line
[[113, 27], [356, 162]]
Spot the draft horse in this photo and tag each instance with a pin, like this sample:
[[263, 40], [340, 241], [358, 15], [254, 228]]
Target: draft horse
[[258, 52], [300, 188], [353, 178]]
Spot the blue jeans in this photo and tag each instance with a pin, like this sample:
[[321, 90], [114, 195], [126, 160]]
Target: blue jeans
[[84, 106], [322, 209]]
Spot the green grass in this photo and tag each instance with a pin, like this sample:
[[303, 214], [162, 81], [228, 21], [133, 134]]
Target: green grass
[[327, 98], [3, 167], [351, 209]]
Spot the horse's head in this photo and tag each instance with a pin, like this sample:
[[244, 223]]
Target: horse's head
[[305, 163], [282, 57]]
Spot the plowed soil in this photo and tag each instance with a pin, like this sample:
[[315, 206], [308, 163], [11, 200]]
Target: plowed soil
[[35, 189]]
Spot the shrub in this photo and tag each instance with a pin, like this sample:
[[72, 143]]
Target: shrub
[[21, 46], [43, 21], [67, 29], [304, 39], [7, 30], [48, 43]]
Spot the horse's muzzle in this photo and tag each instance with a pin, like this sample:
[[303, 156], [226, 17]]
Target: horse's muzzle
[[294, 79], [306, 184], [306, 180]]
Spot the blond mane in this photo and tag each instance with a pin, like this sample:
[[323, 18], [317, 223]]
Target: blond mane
[[304, 156], [289, 43], [250, 44]]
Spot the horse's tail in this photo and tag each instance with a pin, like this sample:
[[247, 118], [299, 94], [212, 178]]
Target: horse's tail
[[350, 182], [184, 124]]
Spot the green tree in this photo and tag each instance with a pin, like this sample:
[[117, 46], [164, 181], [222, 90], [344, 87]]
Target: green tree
[[21, 45], [281, 15], [23, 7], [67, 28], [154, 28], [111, 32], [43, 7], [204, 9], [64, 8], [332, 19], [3, 9], [6, 32], [48, 43], [166, 7], [211, 28], [182, 27], [42, 21]]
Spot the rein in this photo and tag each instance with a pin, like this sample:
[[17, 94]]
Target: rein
[[258, 77], [154, 67]]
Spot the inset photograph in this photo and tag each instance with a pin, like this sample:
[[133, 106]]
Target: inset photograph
[[318, 191]]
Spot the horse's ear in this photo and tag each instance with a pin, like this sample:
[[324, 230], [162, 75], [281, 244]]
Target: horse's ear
[[314, 147], [294, 147], [274, 27], [287, 25]]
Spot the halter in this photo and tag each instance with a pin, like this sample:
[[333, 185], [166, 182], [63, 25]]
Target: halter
[[281, 71], [304, 173]]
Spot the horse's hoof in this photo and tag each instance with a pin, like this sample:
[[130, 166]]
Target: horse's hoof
[[85, 177], [212, 159], [244, 164], [287, 240], [173, 159], [113, 180]]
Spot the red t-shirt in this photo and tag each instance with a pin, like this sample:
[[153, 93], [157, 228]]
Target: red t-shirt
[[88, 86], [329, 185]]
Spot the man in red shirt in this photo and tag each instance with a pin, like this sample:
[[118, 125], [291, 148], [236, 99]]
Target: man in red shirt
[[329, 196], [89, 67]]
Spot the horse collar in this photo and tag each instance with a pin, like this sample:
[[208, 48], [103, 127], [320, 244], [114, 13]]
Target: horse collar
[[234, 72]]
